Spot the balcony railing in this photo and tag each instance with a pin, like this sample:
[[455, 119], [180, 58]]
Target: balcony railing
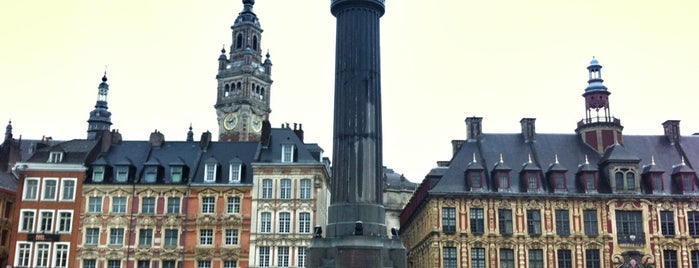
[[636, 238]]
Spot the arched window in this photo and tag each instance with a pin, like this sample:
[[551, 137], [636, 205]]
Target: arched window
[[239, 41], [226, 90], [254, 42]]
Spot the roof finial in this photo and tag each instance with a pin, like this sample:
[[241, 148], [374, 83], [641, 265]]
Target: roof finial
[[652, 160], [556, 158], [530, 158], [683, 163], [501, 161], [586, 161], [474, 158]]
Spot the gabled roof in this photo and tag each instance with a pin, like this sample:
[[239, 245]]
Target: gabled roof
[[280, 136], [75, 152]]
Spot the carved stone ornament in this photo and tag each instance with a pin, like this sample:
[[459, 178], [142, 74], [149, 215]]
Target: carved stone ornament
[[206, 220]]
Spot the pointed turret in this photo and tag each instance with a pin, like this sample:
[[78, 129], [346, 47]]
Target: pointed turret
[[8, 131], [100, 118], [598, 129]]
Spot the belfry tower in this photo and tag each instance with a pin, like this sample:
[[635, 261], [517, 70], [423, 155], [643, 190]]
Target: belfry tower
[[244, 81], [100, 118], [356, 230], [598, 129]]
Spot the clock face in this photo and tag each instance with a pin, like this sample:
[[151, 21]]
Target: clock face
[[230, 121], [256, 123]]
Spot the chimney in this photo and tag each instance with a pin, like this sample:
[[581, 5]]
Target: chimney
[[672, 130], [473, 128], [266, 135], [205, 140], [299, 131], [528, 129], [156, 139], [456, 146], [443, 163]]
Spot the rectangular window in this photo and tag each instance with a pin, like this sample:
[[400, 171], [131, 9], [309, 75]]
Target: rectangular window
[[304, 223], [148, 205], [478, 257], [590, 181], [143, 264], [98, 173], [532, 181], [49, 189], [449, 257], [505, 221], [90, 263], [564, 259], [688, 182], [694, 258], [55, 157], [210, 172], [230, 264], [449, 220], [562, 222], [265, 222], [173, 205], [94, 204], [27, 221], [667, 223], [65, 221], [693, 223], [284, 222], [629, 225], [45, 221], [560, 180], [41, 256], [171, 237], [590, 222], [24, 254], [477, 221], [657, 181], [287, 153], [203, 264], [231, 237], [122, 173], [507, 258], [169, 264], [285, 189], [206, 237], [263, 256], [301, 257], [60, 256], [670, 258], [233, 206], [536, 258], [592, 258], [504, 180], [68, 189], [116, 236], [208, 204], [267, 189], [119, 204], [476, 181], [176, 174], [534, 222], [31, 189], [145, 237], [92, 236], [282, 256], [234, 173], [305, 189]]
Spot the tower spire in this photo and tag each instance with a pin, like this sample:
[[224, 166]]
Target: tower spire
[[8, 131], [100, 118]]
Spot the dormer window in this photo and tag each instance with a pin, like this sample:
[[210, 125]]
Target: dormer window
[[55, 157], [176, 173], [688, 184], [476, 179], [590, 181], [287, 153], [151, 174], [210, 172], [122, 173], [657, 180], [624, 179], [532, 180], [98, 174], [559, 180], [503, 180], [235, 172]]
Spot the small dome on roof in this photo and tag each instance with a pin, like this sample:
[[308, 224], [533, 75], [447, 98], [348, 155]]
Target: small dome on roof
[[594, 61]]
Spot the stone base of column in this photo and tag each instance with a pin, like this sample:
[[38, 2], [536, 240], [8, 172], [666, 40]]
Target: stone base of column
[[357, 252]]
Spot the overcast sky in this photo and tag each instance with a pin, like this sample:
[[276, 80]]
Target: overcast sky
[[442, 61]]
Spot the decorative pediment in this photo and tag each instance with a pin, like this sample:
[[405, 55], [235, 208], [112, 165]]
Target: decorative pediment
[[89, 253], [204, 254], [92, 221], [233, 220], [143, 253], [172, 222], [504, 204], [236, 191], [206, 220], [117, 221], [146, 222], [230, 254], [114, 253], [208, 192], [146, 192], [476, 203], [532, 204], [175, 192], [169, 254]]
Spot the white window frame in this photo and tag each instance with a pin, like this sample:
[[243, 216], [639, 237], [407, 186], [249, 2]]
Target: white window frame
[[96, 239], [114, 203], [232, 237], [264, 256], [287, 153], [70, 191], [301, 259], [206, 207], [22, 221], [150, 174], [40, 227], [29, 195], [98, 173], [267, 191], [154, 206], [266, 224], [283, 256], [112, 235], [230, 264], [38, 253], [66, 258], [233, 205], [285, 190], [234, 172], [24, 253], [284, 226], [204, 264], [121, 173], [209, 174], [170, 203], [55, 157], [305, 224], [305, 193], [59, 218], [45, 190], [89, 205], [206, 239], [176, 172]]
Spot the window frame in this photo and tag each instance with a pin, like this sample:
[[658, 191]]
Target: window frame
[[283, 256], [264, 256], [45, 189], [590, 224], [534, 222], [119, 207], [562, 222], [667, 223], [45, 224], [23, 254], [592, 258], [231, 237], [68, 189], [148, 207], [210, 172], [27, 194], [235, 172], [233, 205], [206, 237], [506, 256], [284, 226], [305, 189], [287, 153], [285, 187], [505, 221], [693, 223], [304, 220], [174, 205], [61, 257], [564, 258], [98, 173], [94, 204], [265, 222], [60, 222], [169, 240], [670, 258], [478, 258], [116, 236], [121, 173], [42, 253], [267, 189], [449, 220], [92, 236], [208, 204], [176, 173], [536, 258], [24, 219], [477, 220], [449, 257], [145, 237]]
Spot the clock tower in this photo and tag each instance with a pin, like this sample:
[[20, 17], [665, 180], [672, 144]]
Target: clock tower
[[244, 81]]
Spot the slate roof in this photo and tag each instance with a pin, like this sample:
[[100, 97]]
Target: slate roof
[[75, 152], [223, 153], [305, 153]]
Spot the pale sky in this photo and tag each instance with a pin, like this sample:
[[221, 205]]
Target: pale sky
[[442, 61]]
